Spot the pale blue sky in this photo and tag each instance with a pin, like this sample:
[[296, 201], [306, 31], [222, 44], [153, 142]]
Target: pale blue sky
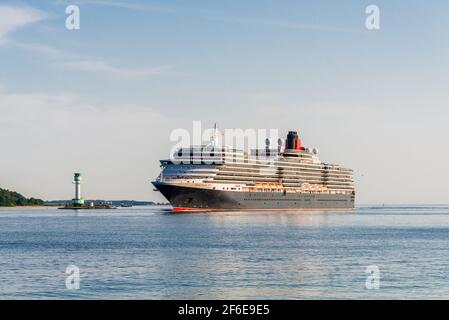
[[376, 101]]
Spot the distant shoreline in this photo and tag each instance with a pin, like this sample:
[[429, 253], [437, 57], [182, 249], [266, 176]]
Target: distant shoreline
[[27, 207], [57, 206]]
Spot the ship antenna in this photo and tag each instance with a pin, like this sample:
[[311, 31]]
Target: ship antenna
[[214, 136]]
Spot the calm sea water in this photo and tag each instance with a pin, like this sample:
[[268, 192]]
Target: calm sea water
[[149, 253]]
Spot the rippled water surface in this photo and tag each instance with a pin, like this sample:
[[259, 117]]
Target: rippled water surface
[[149, 253]]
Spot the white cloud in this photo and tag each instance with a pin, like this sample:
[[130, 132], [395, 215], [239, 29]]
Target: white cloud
[[104, 67], [14, 17]]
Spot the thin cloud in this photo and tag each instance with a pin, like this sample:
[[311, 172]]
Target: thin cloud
[[282, 24], [130, 6], [214, 16], [73, 61], [42, 49], [104, 67], [15, 17]]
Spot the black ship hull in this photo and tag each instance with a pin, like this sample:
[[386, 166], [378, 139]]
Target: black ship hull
[[201, 199]]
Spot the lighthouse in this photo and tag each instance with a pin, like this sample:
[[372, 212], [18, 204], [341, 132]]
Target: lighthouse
[[77, 201]]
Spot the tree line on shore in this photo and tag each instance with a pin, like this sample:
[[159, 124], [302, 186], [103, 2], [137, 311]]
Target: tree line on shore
[[11, 199]]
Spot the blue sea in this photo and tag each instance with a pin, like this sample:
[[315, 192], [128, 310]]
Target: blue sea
[[150, 253]]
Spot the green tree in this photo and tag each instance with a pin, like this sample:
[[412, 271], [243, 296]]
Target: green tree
[[11, 198]]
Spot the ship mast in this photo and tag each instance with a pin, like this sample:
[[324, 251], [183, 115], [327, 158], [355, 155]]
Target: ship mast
[[214, 136]]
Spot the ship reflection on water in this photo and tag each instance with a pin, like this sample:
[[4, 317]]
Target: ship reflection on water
[[245, 259]]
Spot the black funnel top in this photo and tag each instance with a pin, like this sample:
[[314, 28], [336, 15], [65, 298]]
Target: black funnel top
[[291, 139]]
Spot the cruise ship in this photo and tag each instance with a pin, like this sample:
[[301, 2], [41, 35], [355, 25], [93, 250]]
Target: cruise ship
[[287, 177]]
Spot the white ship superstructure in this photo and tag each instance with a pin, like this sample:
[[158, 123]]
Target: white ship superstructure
[[287, 177]]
